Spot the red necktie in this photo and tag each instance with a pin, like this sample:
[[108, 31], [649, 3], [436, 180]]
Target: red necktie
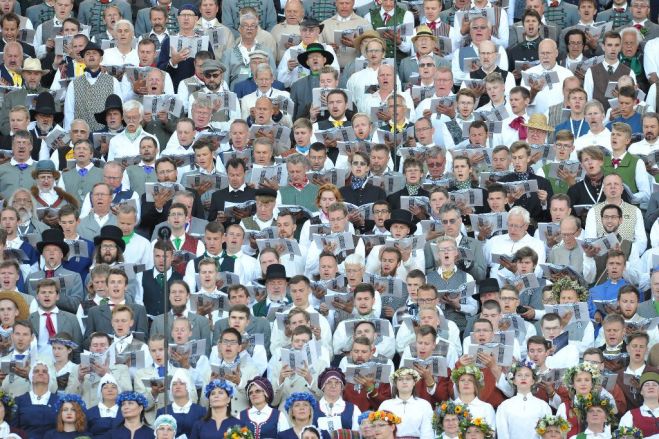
[[50, 273], [518, 124], [432, 25], [553, 4], [619, 10], [638, 26], [50, 326], [386, 17], [615, 162]]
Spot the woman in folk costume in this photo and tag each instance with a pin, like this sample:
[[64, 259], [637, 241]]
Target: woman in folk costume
[[469, 381], [183, 394], [644, 417], [302, 411], [106, 415], [134, 426], [7, 406], [263, 420], [552, 427], [416, 413], [67, 371], [365, 426], [71, 420], [476, 428], [447, 419], [385, 424], [581, 380], [36, 408], [46, 193], [333, 412], [218, 419], [522, 377], [165, 427], [597, 414]]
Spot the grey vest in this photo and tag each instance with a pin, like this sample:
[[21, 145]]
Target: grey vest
[[80, 186], [90, 99], [601, 79], [47, 30], [138, 178], [454, 282]]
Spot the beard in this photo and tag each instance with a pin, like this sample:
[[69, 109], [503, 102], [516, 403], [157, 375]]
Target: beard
[[24, 215]]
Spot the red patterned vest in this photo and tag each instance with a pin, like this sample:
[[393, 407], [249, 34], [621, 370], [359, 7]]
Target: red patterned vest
[[647, 424]]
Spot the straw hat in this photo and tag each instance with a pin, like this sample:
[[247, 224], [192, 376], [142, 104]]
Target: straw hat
[[539, 122]]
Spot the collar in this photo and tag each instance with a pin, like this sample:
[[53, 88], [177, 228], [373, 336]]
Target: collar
[[240, 189], [265, 411], [52, 311], [181, 408], [88, 167], [39, 400], [28, 162]]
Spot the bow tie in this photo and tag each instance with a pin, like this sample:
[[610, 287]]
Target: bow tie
[[22, 166], [432, 25], [553, 4], [117, 190], [201, 129], [83, 172], [148, 169], [104, 2], [518, 125], [615, 162], [337, 123], [619, 10], [638, 26]]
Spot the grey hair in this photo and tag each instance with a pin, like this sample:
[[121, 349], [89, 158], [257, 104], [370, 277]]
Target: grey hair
[[263, 67], [594, 103], [127, 208], [298, 159], [185, 194], [202, 102], [133, 105], [632, 30], [520, 211], [436, 151], [10, 201], [122, 22], [81, 121], [450, 207], [355, 259], [114, 164]]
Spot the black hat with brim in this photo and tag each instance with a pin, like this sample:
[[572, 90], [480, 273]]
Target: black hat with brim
[[112, 102], [274, 271], [53, 237], [401, 216], [315, 48], [111, 233], [91, 46]]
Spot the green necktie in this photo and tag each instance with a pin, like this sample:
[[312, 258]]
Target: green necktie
[[656, 306], [105, 301], [177, 243], [160, 278]]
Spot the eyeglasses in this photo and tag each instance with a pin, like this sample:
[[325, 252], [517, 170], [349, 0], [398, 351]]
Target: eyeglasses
[[435, 165], [517, 226], [108, 247], [359, 163], [381, 212], [177, 214], [610, 217], [421, 301], [563, 146], [509, 299], [212, 75], [426, 64], [478, 27], [449, 221], [249, 26], [229, 342]]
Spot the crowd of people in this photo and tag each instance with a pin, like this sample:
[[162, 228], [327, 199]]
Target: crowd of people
[[307, 219]]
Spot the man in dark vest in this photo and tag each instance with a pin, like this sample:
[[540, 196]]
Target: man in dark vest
[[276, 284], [237, 192], [386, 16], [610, 69], [315, 58], [213, 240], [87, 93], [153, 280]]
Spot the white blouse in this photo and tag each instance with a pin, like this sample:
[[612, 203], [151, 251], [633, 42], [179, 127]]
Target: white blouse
[[509, 422], [416, 415]]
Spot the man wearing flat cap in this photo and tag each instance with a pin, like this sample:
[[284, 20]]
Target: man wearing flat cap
[[247, 86], [290, 69], [213, 78], [86, 94], [32, 74]]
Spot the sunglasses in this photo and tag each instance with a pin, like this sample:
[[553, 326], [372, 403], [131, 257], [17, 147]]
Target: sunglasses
[[212, 75]]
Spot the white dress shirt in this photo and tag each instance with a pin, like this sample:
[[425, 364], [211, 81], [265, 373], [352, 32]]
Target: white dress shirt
[[416, 415]]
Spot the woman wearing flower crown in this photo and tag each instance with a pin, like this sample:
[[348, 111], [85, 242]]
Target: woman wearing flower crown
[[67, 372], [580, 380], [415, 412], [71, 420], [263, 420], [106, 415], [447, 419], [132, 406], [468, 382], [552, 427], [181, 393], [597, 414], [7, 404], [522, 377], [365, 426], [218, 418], [627, 433], [36, 414], [302, 411], [476, 428], [385, 424]]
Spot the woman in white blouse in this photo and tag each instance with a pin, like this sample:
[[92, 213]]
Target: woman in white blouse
[[522, 377], [416, 413], [468, 380]]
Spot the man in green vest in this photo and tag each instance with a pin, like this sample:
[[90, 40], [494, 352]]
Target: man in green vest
[[388, 16], [563, 148], [627, 166]]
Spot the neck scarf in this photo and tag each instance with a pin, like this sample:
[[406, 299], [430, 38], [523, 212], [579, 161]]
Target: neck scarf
[[413, 189], [357, 183]]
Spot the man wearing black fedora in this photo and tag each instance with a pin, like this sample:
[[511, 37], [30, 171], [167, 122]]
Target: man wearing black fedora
[[276, 286], [53, 249], [314, 59], [112, 120], [86, 94], [45, 119]]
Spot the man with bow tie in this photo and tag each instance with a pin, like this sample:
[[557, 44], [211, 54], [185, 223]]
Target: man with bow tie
[[53, 249], [17, 173], [82, 177]]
